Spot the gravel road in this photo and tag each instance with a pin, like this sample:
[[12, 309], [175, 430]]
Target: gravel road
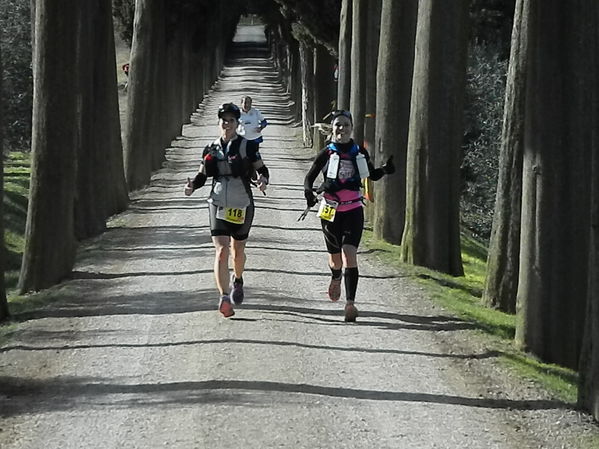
[[132, 352]]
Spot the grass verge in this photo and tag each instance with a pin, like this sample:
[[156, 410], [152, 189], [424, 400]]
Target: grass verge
[[17, 170], [462, 297]]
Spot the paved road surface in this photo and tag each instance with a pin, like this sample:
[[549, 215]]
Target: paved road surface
[[133, 354]]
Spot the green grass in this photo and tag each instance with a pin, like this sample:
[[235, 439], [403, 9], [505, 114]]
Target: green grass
[[16, 193], [461, 296]]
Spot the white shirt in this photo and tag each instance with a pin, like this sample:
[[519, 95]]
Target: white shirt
[[249, 124]]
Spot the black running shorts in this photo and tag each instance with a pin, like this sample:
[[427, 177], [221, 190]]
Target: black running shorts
[[222, 227], [346, 229]]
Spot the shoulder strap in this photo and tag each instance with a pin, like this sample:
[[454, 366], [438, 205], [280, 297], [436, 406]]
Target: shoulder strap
[[243, 148], [333, 147], [355, 149]]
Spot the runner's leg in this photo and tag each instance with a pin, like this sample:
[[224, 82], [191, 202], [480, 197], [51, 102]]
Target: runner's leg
[[239, 257], [221, 262]]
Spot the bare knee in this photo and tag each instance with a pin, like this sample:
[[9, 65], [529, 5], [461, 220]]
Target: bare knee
[[222, 253]]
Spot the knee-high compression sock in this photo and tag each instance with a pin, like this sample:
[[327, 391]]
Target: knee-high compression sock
[[351, 283], [336, 273]]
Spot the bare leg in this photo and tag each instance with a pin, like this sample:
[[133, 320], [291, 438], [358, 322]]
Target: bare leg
[[221, 263], [335, 261], [350, 256], [239, 257]]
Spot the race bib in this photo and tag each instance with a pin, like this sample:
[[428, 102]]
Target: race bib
[[231, 214], [327, 209]]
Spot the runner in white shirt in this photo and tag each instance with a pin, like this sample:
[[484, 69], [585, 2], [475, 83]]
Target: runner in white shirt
[[252, 122]]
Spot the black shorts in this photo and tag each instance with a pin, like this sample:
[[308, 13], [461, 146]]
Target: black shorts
[[346, 229], [222, 227]]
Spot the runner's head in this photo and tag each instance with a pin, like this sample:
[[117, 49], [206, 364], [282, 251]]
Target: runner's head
[[246, 103], [230, 109], [228, 119], [343, 126]]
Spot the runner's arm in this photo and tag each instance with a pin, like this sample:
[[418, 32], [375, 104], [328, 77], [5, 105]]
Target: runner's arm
[[319, 162]]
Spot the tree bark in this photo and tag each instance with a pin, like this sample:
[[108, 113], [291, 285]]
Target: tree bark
[[431, 236], [588, 390], [3, 301], [89, 200], [394, 83], [324, 83], [501, 282], [357, 100], [142, 138], [344, 62], [109, 116], [101, 187], [370, 69], [49, 251], [554, 251], [307, 70]]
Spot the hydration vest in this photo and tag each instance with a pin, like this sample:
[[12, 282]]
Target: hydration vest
[[235, 163], [332, 183]]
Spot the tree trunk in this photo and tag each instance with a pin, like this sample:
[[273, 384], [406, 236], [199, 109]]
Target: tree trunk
[[501, 283], [554, 251], [307, 70], [371, 49], [432, 228], [3, 302], [32, 25], [108, 116], [49, 251], [370, 69], [142, 140], [357, 100], [394, 83], [101, 188], [295, 79], [344, 62], [324, 83], [89, 200], [158, 133], [174, 84], [588, 391]]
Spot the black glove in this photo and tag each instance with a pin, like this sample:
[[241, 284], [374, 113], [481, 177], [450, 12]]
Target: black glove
[[389, 168], [311, 199]]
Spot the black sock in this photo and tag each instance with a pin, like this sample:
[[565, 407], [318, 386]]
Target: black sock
[[336, 273], [351, 283]]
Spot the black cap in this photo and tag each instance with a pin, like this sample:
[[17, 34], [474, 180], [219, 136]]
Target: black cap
[[341, 113], [229, 107]]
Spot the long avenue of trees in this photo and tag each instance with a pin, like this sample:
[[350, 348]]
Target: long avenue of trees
[[401, 61]]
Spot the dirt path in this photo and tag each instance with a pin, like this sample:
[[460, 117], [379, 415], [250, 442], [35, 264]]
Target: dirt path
[[133, 354]]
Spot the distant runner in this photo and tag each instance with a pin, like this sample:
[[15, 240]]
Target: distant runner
[[344, 165], [230, 161], [252, 122]]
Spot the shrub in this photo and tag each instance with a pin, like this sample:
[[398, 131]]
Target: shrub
[[17, 95], [482, 138]]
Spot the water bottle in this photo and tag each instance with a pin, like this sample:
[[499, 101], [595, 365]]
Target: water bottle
[[333, 166], [362, 166]]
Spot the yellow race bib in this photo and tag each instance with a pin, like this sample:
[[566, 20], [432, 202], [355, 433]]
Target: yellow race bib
[[231, 214], [327, 209]]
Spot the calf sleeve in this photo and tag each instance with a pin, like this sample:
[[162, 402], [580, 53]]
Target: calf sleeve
[[351, 283]]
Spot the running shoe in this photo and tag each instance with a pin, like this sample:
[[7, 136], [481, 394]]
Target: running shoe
[[351, 313], [236, 290], [225, 307], [335, 289]]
